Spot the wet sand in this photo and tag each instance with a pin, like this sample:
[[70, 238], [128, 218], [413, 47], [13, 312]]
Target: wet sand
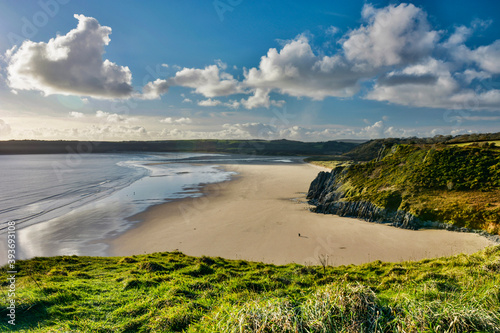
[[259, 215]]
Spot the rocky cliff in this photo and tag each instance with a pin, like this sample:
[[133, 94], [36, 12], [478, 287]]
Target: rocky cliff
[[328, 193]]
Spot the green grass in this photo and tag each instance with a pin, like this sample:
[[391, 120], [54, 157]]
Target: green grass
[[171, 292], [464, 144], [325, 162]]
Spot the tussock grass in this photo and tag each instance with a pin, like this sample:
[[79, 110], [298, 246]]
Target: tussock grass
[[171, 292], [342, 308]]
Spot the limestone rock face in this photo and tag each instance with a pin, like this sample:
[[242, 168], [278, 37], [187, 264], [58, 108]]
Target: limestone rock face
[[326, 194], [328, 197]]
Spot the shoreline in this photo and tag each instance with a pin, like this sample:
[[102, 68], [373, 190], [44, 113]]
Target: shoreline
[[258, 216]]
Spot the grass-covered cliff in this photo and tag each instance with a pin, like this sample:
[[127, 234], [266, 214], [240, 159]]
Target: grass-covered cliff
[[371, 149], [456, 185], [171, 292]]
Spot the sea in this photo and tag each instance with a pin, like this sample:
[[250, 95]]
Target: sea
[[69, 204]]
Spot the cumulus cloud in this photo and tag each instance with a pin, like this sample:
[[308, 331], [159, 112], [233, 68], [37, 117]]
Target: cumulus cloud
[[116, 132], [73, 64], [250, 130], [112, 117], [153, 90], [209, 102], [74, 114], [439, 79], [232, 104], [432, 84], [488, 57], [269, 131], [260, 98], [5, 128], [209, 81], [70, 64], [178, 121], [228, 131], [393, 35], [395, 52], [295, 70]]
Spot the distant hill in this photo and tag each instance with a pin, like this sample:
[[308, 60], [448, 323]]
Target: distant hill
[[259, 147], [375, 148], [358, 150]]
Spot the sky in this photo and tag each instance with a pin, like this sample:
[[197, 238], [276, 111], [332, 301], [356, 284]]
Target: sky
[[240, 69]]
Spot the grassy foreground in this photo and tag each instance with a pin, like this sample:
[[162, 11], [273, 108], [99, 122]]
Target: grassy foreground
[[172, 292]]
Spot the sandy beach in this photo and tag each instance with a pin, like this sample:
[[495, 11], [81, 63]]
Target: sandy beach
[[259, 215]]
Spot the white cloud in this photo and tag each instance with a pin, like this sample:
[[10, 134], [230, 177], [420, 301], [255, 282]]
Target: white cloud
[[295, 70], [209, 82], [380, 130], [209, 102], [5, 128], [432, 84], [232, 104], [168, 120], [458, 37], [73, 64], [116, 132], [153, 90], [250, 130], [179, 121], [183, 120], [260, 99], [113, 117], [214, 102], [488, 57], [70, 64], [256, 130], [396, 53], [74, 114], [394, 35], [470, 75], [93, 132], [222, 65], [332, 30]]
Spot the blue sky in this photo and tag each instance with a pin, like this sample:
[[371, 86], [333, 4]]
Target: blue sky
[[303, 70]]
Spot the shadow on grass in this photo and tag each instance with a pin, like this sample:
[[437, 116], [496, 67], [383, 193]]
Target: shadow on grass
[[26, 317]]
